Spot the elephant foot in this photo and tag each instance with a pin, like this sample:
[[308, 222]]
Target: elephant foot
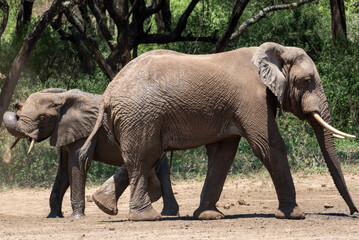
[[289, 213], [55, 215], [208, 214], [78, 215], [170, 210], [149, 214], [106, 202]]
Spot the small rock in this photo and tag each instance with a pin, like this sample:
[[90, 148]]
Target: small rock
[[227, 206], [324, 185], [111, 229], [242, 202], [327, 205]]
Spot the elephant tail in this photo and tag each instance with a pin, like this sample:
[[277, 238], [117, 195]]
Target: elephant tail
[[98, 124]]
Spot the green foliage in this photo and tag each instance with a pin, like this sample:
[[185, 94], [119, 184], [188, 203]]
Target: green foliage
[[339, 69], [54, 63], [19, 169]]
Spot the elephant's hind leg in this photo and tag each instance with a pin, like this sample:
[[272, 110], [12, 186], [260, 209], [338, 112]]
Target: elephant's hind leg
[[220, 159], [139, 168], [106, 197]]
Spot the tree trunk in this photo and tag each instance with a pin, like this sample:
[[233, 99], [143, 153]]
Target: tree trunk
[[29, 44], [24, 15], [119, 13], [339, 28], [5, 8]]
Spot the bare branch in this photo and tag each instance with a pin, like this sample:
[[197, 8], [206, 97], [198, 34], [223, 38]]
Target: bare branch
[[74, 20], [236, 14], [182, 22], [101, 22], [5, 7], [154, 8], [263, 14]]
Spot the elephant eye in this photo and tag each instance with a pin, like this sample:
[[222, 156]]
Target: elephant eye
[[41, 117]]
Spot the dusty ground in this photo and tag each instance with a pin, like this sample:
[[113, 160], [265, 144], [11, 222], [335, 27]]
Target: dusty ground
[[248, 204]]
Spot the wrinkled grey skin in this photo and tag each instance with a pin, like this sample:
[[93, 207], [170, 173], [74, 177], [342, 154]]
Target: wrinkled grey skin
[[165, 100], [67, 117]]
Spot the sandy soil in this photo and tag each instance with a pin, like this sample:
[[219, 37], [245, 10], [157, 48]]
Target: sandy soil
[[248, 204]]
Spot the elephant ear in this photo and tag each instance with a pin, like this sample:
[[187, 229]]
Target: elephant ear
[[77, 117], [269, 63]]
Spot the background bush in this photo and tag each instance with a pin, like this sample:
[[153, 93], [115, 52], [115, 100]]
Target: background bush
[[52, 65]]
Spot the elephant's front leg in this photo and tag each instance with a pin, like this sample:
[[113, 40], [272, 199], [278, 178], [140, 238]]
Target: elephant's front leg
[[77, 172], [268, 145], [220, 159], [60, 186]]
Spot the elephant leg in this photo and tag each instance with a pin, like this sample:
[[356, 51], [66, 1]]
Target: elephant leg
[[170, 205], [268, 145], [60, 186], [220, 158], [77, 172], [139, 166], [106, 197]]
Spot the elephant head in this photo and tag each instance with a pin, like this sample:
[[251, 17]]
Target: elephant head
[[64, 116], [292, 77]]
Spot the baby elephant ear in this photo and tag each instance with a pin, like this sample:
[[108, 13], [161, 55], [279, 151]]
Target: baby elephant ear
[[269, 63], [77, 117]]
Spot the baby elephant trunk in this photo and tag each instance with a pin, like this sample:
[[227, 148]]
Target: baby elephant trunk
[[12, 125]]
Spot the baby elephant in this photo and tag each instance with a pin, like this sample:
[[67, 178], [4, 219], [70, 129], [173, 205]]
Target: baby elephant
[[67, 118]]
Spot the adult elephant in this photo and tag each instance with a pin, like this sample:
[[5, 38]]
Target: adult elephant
[[172, 101], [67, 118]]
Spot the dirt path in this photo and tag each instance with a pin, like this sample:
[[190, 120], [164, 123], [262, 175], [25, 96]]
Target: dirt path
[[247, 203]]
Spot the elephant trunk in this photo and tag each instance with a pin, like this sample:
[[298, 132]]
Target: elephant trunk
[[12, 125], [326, 142]]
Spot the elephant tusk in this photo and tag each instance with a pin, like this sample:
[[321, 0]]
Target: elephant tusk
[[338, 136], [330, 128], [15, 142], [31, 145]]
